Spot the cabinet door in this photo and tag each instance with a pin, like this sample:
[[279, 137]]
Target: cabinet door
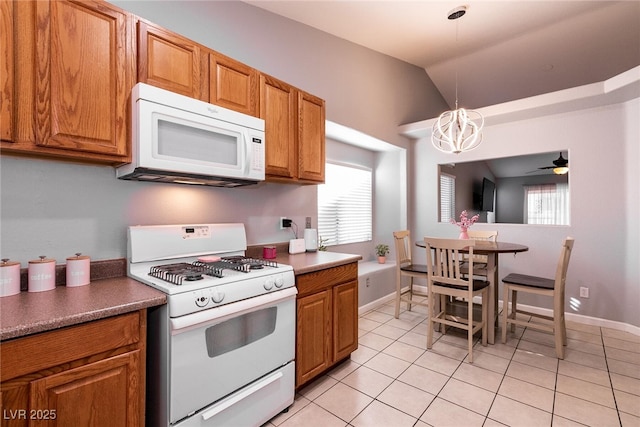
[[233, 84], [311, 137], [84, 69], [345, 319], [313, 335], [103, 393], [170, 61], [278, 109], [6, 70]]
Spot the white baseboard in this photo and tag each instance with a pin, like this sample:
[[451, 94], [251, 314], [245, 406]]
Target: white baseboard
[[573, 317]]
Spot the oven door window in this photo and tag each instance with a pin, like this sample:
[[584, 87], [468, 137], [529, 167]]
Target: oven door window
[[240, 331]]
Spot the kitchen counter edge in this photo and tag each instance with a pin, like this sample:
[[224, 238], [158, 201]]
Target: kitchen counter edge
[[309, 262], [29, 313]]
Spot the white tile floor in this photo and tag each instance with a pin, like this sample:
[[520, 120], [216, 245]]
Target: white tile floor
[[392, 380]]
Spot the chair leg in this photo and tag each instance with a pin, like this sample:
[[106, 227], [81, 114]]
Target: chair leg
[[470, 329], [410, 293], [485, 317], [505, 312], [443, 310], [557, 332], [430, 311], [398, 290], [514, 308]]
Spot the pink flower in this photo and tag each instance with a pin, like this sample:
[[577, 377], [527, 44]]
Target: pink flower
[[464, 221]]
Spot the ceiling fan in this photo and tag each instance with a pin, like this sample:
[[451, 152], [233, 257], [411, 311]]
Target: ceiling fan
[[560, 166]]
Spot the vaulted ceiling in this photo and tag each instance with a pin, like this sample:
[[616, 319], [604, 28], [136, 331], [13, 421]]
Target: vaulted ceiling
[[500, 50]]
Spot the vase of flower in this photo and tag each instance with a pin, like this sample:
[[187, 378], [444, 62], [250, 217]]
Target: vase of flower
[[463, 234], [464, 224]]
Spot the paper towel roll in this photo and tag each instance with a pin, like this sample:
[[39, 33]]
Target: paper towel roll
[[311, 239]]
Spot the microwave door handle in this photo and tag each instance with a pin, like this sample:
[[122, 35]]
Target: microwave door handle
[[247, 147]]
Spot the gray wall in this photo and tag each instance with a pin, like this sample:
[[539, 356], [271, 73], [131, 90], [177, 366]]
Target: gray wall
[[57, 208], [605, 201]]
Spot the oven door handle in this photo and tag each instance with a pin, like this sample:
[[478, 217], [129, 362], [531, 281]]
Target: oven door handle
[[240, 396], [224, 312]]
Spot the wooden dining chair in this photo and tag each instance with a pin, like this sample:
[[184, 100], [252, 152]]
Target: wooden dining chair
[[406, 268], [479, 261], [554, 288], [444, 279]]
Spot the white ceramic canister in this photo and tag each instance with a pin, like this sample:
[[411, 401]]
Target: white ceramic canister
[[9, 278], [78, 270], [42, 274]]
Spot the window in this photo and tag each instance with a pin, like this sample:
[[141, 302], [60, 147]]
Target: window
[[447, 197], [546, 204], [344, 205]]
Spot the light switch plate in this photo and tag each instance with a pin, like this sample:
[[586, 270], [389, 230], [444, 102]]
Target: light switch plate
[[296, 246]]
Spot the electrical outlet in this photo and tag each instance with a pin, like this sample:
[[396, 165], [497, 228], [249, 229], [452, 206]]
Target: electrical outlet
[[284, 222], [308, 222], [584, 292]]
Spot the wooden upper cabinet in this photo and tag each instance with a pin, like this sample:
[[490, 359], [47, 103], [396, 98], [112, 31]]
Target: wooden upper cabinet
[[83, 77], [233, 84], [311, 137], [6, 70], [295, 132], [172, 62], [278, 109]]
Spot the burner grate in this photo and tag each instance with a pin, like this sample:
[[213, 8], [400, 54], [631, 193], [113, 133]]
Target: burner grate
[[242, 264], [181, 272]]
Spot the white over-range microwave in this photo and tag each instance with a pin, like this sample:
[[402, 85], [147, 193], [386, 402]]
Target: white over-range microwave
[[184, 140]]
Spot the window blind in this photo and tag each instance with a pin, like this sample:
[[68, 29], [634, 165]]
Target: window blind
[[447, 197], [345, 205]]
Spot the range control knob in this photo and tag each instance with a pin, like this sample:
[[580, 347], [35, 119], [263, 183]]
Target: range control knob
[[279, 282], [268, 285], [202, 301], [217, 296]]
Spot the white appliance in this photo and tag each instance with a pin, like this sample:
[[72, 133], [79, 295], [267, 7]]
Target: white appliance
[[221, 351], [183, 140], [311, 239]]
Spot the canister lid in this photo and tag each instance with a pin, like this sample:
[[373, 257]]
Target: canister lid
[[77, 257], [43, 259], [6, 263]]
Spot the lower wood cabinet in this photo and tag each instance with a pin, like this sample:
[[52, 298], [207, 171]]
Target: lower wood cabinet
[[90, 374], [327, 320]]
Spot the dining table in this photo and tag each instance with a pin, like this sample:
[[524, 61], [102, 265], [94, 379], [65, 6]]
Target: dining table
[[491, 250]]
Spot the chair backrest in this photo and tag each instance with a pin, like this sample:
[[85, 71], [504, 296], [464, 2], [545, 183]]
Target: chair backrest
[[444, 259], [403, 247], [488, 235], [563, 265]]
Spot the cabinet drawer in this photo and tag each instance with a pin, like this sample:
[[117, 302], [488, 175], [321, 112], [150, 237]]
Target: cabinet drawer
[[325, 279], [31, 354]]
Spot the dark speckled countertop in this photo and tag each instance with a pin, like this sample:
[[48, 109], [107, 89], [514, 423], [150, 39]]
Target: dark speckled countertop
[[31, 312], [308, 262]]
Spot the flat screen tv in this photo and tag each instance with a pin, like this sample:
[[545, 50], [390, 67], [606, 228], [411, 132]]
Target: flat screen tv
[[488, 190]]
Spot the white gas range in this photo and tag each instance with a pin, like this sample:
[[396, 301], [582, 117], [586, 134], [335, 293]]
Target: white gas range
[[221, 351]]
